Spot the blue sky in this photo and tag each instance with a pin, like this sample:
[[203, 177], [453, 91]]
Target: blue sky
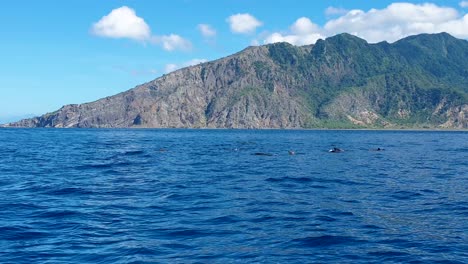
[[61, 52]]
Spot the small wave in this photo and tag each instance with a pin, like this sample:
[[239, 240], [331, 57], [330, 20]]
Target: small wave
[[177, 246], [187, 233], [228, 219], [318, 187], [21, 206], [388, 253], [8, 151], [289, 179], [58, 214], [104, 165], [445, 261], [68, 191], [261, 219], [274, 179], [94, 166], [111, 172], [399, 242], [20, 233], [324, 218], [323, 241], [342, 182], [145, 251], [405, 195], [12, 229], [294, 219], [371, 227], [179, 197], [460, 149], [133, 152], [428, 191], [343, 213]]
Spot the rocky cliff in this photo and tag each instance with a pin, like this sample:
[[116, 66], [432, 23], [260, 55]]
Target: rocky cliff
[[340, 82]]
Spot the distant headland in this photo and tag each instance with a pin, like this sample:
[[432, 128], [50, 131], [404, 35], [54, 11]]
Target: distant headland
[[340, 82]]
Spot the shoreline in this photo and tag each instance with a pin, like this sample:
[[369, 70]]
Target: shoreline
[[251, 129]]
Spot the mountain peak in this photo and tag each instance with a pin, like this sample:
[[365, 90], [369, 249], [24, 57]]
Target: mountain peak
[[346, 37], [429, 37]]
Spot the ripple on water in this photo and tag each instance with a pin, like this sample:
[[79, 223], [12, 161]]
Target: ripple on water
[[323, 241], [21, 233], [71, 191], [203, 196], [405, 195]]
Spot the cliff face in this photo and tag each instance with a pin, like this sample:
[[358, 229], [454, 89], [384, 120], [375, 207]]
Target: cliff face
[[420, 81]]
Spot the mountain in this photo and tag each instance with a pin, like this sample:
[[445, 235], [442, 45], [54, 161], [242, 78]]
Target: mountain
[[340, 82]]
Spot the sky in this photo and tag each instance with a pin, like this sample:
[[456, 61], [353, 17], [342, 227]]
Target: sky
[[54, 53]]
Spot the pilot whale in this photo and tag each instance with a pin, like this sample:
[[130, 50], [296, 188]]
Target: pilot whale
[[335, 150]]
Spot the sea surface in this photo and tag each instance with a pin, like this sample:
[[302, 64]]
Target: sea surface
[[233, 196]]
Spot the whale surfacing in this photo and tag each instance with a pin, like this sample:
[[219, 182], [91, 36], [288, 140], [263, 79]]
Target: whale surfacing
[[336, 150]]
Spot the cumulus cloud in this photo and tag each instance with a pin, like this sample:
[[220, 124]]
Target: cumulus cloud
[[172, 42], [396, 21], [333, 11], [206, 30], [304, 26], [243, 23], [392, 23], [172, 67], [122, 23], [302, 32], [463, 4], [293, 39]]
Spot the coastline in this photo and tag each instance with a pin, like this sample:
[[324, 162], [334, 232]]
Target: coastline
[[249, 129]]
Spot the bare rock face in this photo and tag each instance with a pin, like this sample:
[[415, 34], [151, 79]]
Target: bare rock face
[[457, 117], [342, 80]]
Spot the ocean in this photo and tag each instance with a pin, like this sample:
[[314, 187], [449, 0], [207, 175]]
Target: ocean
[[233, 196]]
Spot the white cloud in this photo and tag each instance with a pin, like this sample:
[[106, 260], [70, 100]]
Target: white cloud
[[333, 11], [293, 39], [463, 4], [302, 32], [399, 20], [206, 30], [172, 67], [243, 23], [122, 23], [304, 26], [172, 42], [392, 23]]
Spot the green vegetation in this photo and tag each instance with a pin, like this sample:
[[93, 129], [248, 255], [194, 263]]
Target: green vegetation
[[403, 82]]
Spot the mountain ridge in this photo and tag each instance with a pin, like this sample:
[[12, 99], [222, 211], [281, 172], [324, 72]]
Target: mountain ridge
[[341, 82]]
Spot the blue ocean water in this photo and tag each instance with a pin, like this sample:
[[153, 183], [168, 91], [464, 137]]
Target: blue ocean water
[[208, 196]]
